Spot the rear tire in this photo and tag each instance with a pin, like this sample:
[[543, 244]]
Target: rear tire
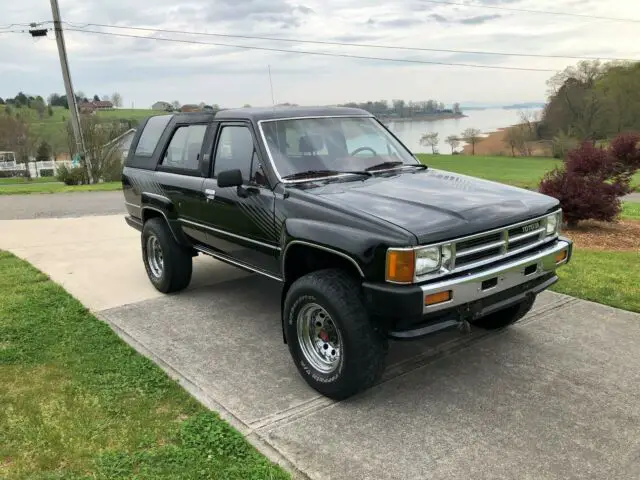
[[330, 336], [168, 264], [506, 317]]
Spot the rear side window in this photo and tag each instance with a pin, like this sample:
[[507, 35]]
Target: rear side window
[[184, 149], [151, 134]]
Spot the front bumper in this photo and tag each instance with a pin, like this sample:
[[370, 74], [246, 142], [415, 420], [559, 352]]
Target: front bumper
[[406, 311]]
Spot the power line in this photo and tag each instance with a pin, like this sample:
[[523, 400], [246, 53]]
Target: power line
[[11, 25], [307, 52], [347, 44], [542, 12]]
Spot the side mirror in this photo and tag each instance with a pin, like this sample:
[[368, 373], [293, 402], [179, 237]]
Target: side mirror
[[230, 178]]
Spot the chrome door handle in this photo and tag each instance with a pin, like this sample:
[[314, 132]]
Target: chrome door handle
[[210, 194]]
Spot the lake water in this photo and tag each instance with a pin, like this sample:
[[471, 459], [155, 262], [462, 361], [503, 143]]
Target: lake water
[[486, 121]]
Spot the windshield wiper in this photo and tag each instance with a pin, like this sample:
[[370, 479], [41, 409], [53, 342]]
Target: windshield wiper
[[311, 173], [385, 165]]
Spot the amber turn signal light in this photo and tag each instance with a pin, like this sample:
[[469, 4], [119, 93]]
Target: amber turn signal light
[[400, 266], [439, 297], [560, 256]]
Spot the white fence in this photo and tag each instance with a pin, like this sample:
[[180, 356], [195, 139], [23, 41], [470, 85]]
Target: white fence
[[36, 169]]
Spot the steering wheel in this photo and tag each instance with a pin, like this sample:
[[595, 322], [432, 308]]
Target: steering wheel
[[362, 149]]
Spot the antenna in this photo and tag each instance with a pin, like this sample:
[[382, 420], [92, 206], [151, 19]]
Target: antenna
[[273, 99]]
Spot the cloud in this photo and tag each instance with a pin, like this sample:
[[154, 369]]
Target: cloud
[[145, 70], [479, 19]]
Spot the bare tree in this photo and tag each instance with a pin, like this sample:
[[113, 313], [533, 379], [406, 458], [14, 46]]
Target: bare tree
[[99, 145], [176, 104], [116, 99], [471, 136], [514, 139], [106, 98], [16, 136], [453, 141], [430, 139]]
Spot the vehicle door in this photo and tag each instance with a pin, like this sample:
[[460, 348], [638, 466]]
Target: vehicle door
[[240, 220], [180, 177]]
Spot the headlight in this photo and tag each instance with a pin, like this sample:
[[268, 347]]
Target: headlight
[[427, 260], [553, 222]]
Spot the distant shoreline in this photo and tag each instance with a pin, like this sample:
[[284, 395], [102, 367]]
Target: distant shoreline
[[424, 118]]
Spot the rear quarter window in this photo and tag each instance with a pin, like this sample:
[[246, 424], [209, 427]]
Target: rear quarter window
[[152, 132]]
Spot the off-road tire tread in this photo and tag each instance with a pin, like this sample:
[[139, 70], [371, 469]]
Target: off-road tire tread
[[178, 262], [367, 347]]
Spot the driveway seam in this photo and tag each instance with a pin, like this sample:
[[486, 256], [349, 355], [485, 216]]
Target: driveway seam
[[260, 443]]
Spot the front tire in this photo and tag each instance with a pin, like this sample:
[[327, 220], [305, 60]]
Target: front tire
[[330, 336], [168, 264], [508, 316]]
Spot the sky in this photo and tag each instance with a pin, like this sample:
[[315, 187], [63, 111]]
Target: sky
[[144, 70]]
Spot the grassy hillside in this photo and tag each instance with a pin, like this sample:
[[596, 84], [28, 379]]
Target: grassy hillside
[[52, 129]]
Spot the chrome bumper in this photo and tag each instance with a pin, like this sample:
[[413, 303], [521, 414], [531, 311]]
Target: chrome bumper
[[494, 280]]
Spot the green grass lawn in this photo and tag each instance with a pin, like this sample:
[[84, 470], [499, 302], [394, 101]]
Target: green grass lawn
[[524, 172], [24, 181], [78, 403], [611, 278], [520, 172], [631, 210], [36, 188]]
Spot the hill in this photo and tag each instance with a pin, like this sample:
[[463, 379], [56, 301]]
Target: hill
[[53, 130]]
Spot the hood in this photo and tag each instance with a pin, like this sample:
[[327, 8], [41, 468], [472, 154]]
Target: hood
[[437, 205]]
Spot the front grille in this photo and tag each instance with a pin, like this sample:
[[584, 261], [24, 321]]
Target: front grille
[[484, 248]]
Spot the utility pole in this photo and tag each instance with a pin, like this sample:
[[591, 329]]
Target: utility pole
[[71, 96]]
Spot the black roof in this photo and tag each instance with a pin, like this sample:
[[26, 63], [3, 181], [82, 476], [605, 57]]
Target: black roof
[[256, 114], [277, 112]]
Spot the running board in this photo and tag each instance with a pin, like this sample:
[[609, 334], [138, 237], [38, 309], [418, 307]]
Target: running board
[[235, 263]]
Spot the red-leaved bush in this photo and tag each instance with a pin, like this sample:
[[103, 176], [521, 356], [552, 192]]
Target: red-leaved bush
[[593, 179]]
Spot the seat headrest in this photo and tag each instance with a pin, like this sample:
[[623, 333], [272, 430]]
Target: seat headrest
[[310, 143]]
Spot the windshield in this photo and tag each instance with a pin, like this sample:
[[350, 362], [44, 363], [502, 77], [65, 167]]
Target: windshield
[[331, 146]]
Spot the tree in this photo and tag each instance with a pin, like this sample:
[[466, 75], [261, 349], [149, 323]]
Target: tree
[[471, 136], [246, 105], [430, 139], [456, 108], [21, 100], [1, 101], [202, 105], [514, 139], [43, 154], [106, 98], [96, 98], [101, 152], [16, 136], [116, 99], [176, 104], [39, 106], [592, 180], [50, 111], [575, 105], [453, 141], [8, 110]]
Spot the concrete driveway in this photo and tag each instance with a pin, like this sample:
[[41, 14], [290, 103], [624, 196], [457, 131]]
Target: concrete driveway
[[555, 397]]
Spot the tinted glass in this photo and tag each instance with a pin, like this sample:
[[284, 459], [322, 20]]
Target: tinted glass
[[184, 149], [151, 134], [234, 151], [334, 144]]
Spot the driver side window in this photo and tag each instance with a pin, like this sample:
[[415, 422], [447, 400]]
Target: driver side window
[[236, 150]]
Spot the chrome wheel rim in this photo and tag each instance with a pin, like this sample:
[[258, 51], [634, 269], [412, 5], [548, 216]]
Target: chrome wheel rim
[[154, 256], [319, 339]]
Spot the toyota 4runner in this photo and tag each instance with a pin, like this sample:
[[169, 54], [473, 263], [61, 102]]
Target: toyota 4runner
[[367, 243]]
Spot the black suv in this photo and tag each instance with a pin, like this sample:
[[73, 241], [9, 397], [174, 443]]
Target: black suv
[[368, 243]]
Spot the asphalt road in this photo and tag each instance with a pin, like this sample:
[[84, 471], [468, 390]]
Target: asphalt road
[[61, 205]]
